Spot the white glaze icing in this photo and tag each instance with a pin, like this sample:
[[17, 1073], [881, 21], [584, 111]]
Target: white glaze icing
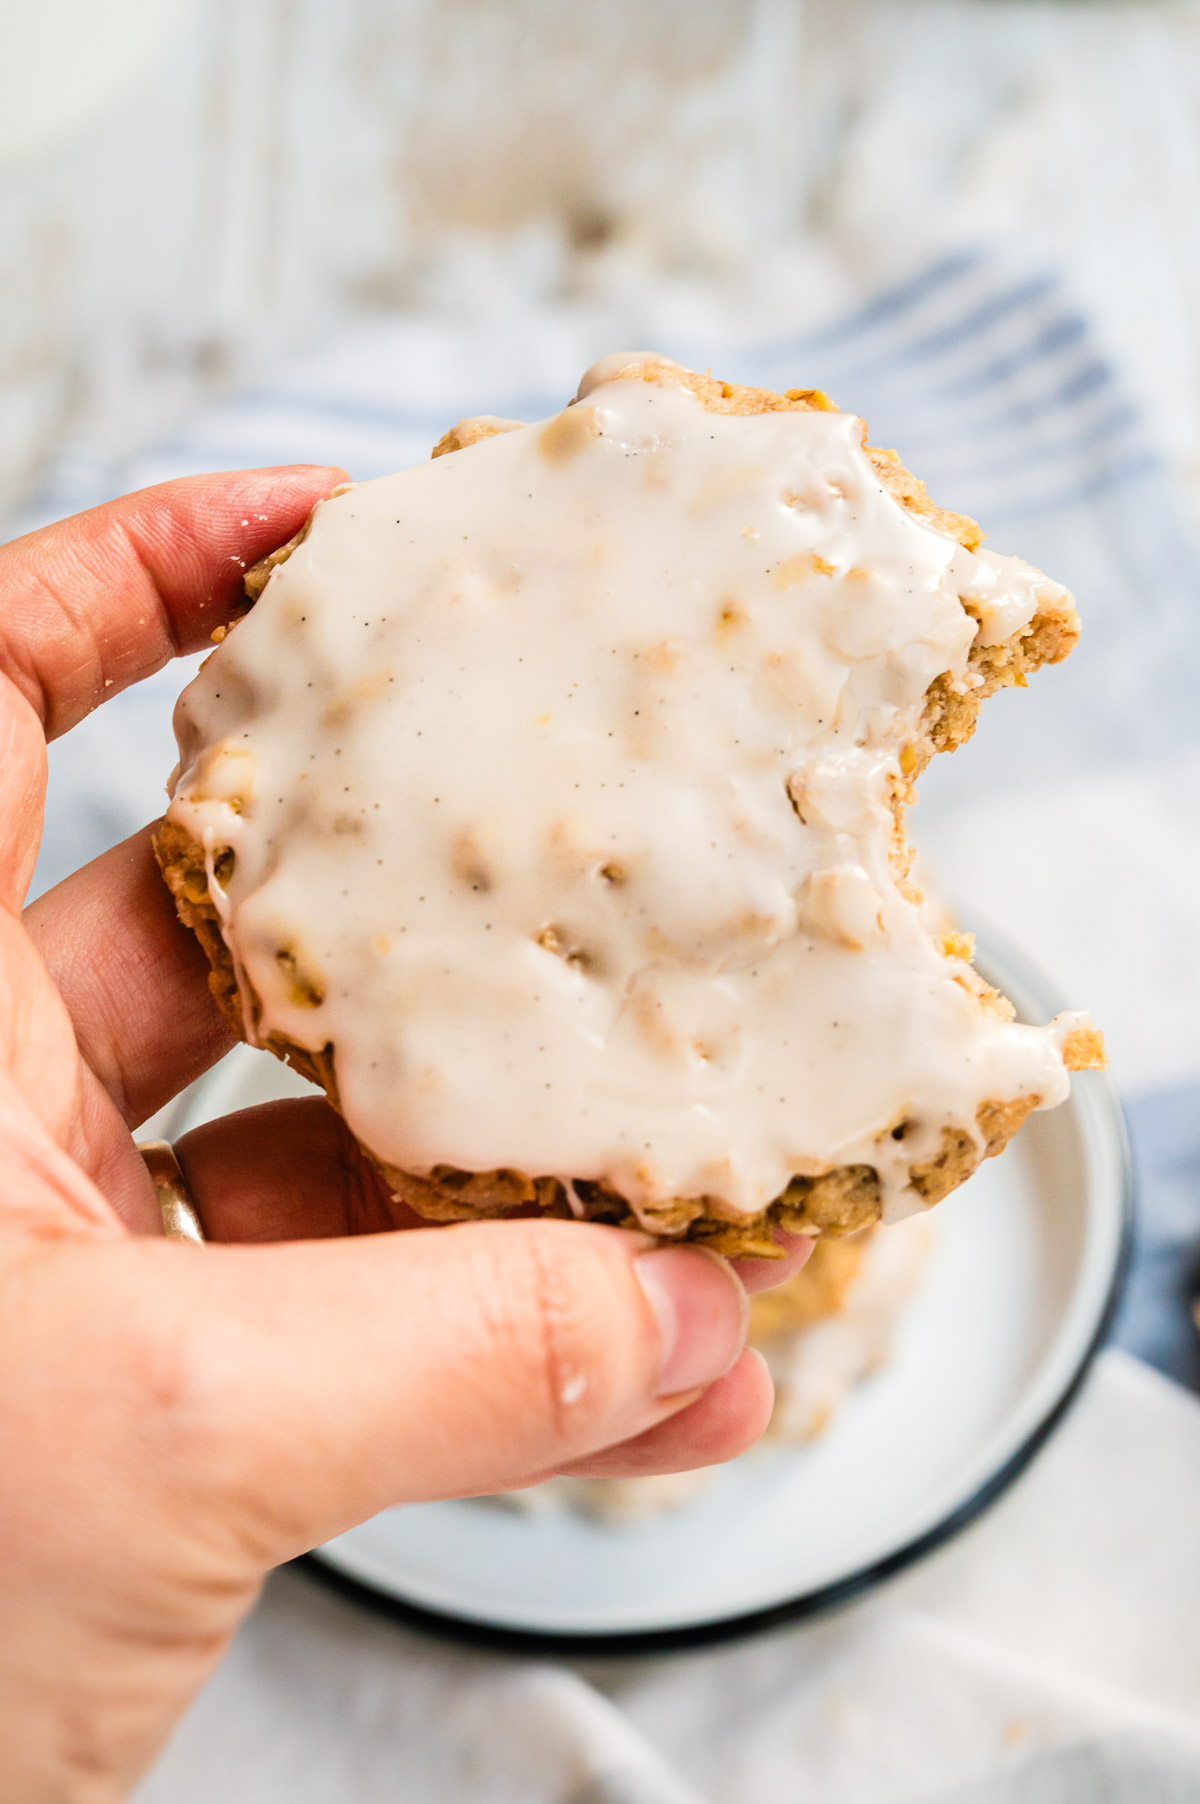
[[558, 775]]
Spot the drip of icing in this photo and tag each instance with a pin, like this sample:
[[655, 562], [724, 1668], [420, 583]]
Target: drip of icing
[[559, 775]]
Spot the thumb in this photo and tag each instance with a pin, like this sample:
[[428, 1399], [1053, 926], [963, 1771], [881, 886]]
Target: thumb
[[315, 1383]]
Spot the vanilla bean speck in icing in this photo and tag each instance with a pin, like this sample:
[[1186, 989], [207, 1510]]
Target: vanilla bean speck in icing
[[559, 777]]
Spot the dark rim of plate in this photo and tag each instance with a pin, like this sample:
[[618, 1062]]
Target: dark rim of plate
[[616, 1644]]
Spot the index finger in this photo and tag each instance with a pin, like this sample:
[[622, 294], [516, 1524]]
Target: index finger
[[97, 602]]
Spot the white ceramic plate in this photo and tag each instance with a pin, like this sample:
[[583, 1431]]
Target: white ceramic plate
[[1021, 1284]]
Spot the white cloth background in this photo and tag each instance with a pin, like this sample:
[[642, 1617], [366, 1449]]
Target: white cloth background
[[1062, 1626], [1053, 1652]]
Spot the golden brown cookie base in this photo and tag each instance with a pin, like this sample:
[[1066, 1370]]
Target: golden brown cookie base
[[837, 1203]]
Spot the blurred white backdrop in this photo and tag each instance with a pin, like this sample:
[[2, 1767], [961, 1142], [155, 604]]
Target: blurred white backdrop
[[279, 164], [66, 63]]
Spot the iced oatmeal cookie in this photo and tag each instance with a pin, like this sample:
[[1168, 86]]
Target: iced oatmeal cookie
[[546, 807]]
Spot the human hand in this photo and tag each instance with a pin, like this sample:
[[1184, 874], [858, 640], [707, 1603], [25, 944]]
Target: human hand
[[174, 1421]]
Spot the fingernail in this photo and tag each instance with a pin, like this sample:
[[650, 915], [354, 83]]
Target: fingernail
[[702, 1313]]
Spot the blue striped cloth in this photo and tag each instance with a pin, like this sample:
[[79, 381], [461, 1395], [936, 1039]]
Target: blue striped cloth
[[991, 384]]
